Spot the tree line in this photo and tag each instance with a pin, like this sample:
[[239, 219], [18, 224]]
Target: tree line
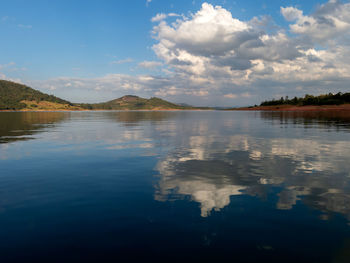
[[325, 99]]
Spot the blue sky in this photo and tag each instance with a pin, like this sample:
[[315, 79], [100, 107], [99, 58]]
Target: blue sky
[[99, 50]]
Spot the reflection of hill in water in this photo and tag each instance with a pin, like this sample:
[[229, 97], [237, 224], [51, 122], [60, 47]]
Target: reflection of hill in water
[[21, 125], [338, 119], [133, 118], [213, 167]]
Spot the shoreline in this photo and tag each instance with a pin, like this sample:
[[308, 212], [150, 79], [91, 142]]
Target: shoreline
[[84, 110], [343, 107], [291, 108]]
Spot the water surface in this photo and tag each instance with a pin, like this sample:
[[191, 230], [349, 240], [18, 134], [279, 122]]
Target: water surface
[[171, 186]]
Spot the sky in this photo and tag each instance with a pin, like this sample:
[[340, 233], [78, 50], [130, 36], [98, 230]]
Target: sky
[[203, 53]]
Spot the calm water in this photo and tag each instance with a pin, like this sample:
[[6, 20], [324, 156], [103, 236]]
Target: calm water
[[174, 186]]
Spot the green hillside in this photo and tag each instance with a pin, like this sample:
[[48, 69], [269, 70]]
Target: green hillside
[[14, 96], [130, 102]]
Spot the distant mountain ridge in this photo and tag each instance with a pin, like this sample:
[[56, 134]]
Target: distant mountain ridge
[[15, 96]]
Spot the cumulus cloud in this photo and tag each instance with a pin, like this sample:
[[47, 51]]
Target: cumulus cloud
[[230, 56], [330, 20], [291, 13], [212, 58], [213, 40]]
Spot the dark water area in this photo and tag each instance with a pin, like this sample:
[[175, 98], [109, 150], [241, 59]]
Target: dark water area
[[174, 186]]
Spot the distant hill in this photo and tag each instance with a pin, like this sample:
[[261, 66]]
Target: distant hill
[[130, 102], [14, 96]]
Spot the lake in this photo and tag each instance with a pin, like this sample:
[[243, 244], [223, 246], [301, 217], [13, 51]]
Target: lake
[[174, 186]]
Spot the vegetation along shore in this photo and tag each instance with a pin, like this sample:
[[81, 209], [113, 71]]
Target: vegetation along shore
[[18, 97], [327, 102]]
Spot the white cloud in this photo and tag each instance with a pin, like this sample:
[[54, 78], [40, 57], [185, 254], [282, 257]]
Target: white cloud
[[170, 91], [291, 13], [5, 77], [161, 16], [331, 20], [122, 61], [228, 56], [209, 57], [150, 64]]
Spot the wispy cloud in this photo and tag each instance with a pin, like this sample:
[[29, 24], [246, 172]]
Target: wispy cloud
[[230, 96], [161, 16], [10, 64], [122, 61], [150, 64]]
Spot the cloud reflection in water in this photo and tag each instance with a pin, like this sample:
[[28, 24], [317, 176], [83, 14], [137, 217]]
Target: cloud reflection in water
[[212, 157], [212, 167]]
